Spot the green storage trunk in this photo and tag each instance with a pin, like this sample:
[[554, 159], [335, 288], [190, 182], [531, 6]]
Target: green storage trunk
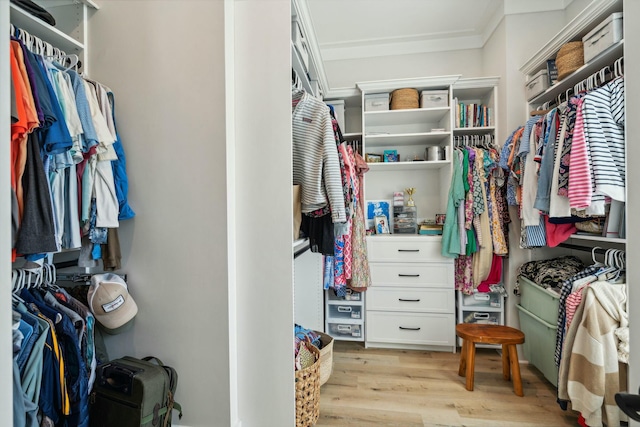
[[539, 343], [131, 392], [539, 301]]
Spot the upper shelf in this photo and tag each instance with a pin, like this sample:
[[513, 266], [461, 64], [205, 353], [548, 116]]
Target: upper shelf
[[37, 27], [606, 58], [404, 117]]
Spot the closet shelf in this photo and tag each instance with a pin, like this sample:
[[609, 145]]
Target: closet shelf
[[404, 117], [405, 166], [41, 29], [595, 238], [606, 58], [474, 130], [396, 139]]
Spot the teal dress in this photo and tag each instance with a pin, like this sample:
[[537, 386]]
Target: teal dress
[[450, 235]]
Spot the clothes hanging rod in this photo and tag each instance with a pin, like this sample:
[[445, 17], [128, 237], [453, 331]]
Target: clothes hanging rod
[[596, 249]]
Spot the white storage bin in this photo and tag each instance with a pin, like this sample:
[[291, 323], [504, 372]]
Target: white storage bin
[[482, 299], [345, 330], [345, 311], [434, 98], [482, 317], [351, 295], [604, 35], [376, 102], [338, 110], [538, 83]]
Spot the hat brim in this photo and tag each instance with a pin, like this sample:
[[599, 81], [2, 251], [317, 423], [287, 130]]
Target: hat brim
[[124, 314]]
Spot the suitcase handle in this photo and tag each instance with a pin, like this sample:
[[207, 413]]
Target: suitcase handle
[[118, 378], [150, 358]]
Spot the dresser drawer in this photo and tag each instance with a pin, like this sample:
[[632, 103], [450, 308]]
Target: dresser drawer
[[411, 328], [411, 299], [405, 249], [408, 274]]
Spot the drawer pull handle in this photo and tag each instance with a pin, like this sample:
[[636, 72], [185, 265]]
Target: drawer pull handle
[[409, 300], [408, 329], [408, 250], [408, 275], [481, 316], [342, 309]]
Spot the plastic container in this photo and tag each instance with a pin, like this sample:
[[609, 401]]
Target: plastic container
[[539, 301], [345, 311], [539, 343], [482, 299], [345, 330]]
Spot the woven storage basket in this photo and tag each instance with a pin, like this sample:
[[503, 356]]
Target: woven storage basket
[[326, 357], [403, 99], [308, 392], [570, 57]]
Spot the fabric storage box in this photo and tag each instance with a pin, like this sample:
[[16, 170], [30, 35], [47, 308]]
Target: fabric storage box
[[538, 300], [346, 330], [434, 98], [481, 317], [482, 299], [376, 102], [539, 343], [607, 33], [338, 112], [345, 311], [537, 84]]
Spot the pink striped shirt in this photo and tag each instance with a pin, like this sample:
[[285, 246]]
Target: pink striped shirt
[[580, 190]]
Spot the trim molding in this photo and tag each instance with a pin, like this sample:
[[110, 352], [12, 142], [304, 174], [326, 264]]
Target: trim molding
[[387, 85], [580, 25]]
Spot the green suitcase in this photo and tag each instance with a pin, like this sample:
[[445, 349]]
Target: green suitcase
[[130, 392]]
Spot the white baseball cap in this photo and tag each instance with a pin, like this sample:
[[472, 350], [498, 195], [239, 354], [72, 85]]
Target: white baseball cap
[[110, 301]]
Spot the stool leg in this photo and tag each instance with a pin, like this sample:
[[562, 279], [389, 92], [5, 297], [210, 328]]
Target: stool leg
[[471, 360], [505, 362], [515, 370], [463, 359]]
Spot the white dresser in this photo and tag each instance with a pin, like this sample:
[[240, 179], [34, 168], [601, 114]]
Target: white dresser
[[411, 303]]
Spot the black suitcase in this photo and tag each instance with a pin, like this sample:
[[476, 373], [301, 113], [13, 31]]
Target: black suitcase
[[130, 392]]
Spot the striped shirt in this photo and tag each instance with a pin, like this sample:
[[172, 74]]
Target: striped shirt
[[604, 118], [316, 167]]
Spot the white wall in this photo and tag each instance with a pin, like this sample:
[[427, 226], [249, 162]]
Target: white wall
[[574, 9], [6, 353], [345, 73], [165, 62], [264, 213], [632, 94]]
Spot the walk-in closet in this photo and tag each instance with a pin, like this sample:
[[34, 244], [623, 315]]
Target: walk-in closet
[[205, 121]]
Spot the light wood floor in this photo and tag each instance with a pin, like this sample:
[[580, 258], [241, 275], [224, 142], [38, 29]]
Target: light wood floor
[[376, 387]]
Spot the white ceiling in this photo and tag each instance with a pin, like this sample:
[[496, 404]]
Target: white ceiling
[[365, 28]]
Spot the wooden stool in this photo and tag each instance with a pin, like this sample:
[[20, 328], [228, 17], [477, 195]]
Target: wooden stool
[[490, 334]]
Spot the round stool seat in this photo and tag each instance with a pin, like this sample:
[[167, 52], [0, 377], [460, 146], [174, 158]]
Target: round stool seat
[[474, 333], [489, 334]]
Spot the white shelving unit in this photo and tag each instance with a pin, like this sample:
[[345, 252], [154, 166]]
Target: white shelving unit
[[537, 331], [344, 318], [590, 18]]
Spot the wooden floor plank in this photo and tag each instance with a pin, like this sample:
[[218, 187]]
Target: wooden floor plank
[[405, 388]]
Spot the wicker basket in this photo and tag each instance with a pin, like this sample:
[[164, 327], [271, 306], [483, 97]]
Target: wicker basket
[[326, 357], [570, 57], [403, 99], [308, 392]]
